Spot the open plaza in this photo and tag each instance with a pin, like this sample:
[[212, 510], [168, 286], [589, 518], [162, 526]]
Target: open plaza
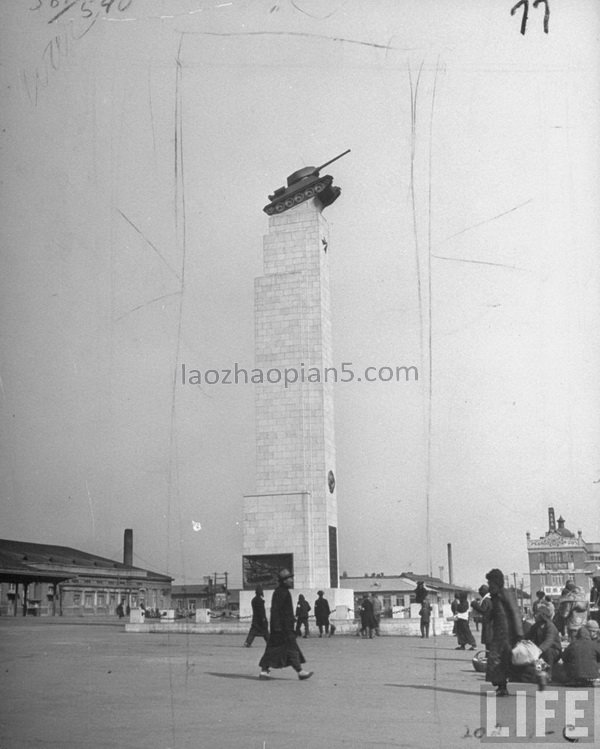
[[90, 683]]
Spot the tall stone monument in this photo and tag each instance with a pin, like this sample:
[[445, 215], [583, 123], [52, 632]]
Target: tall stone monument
[[291, 520]]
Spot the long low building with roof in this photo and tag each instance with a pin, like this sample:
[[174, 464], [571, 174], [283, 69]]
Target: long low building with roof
[[48, 580], [397, 593]]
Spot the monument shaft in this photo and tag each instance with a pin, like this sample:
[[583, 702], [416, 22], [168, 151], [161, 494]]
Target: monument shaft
[[292, 518]]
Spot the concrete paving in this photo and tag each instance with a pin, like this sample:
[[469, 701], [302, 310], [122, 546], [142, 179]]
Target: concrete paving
[[87, 683]]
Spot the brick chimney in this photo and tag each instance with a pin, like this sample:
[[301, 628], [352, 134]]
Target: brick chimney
[[128, 548]]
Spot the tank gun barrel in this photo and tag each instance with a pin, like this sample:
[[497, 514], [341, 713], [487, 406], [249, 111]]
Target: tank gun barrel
[[327, 163]]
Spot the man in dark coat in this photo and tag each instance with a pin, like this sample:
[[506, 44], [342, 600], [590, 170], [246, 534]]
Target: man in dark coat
[[302, 612], [505, 630], [367, 617], [259, 626], [425, 614], [420, 592], [282, 649], [483, 608], [322, 612]]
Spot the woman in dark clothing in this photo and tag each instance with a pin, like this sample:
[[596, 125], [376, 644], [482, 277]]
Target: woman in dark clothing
[[259, 626], [282, 649], [463, 631], [505, 630]]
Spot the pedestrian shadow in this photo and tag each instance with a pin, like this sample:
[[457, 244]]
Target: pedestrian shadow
[[433, 688], [232, 676]]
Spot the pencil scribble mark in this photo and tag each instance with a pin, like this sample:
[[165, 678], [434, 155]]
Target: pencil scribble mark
[[64, 10], [145, 304], [486, 221], [158, 252], [311, 15], [91, 508], [476, 262], [295, 33]]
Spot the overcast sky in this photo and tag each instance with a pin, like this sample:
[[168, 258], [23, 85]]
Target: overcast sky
[[139, 146]]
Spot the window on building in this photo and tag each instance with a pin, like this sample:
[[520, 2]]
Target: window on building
[[77, 598], [192, 604], [101, 598], [89, 600]]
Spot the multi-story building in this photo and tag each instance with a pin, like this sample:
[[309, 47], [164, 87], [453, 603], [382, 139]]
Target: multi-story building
[[47, 580], [560, 555]]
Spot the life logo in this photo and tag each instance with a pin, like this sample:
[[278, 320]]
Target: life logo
[[529, 716]]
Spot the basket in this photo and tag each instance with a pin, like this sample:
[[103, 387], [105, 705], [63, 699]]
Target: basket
[[480, 661]]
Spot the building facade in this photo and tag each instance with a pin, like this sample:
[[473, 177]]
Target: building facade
[[561, 555], [47, 580]]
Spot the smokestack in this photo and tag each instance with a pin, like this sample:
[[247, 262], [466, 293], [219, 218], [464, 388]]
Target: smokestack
[[128, 548], [450, 571]]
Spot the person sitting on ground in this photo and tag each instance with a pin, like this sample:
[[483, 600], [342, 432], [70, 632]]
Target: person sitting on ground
[[593, 628], [545, 635], [581, 660], [540, 597]]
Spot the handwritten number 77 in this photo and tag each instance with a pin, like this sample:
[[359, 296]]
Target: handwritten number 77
[[525, 4]]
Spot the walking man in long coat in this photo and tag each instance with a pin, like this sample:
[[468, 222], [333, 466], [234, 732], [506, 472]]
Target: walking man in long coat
[[282, 649], [259, 626]]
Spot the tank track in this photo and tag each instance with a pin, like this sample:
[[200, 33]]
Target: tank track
[[295, 197]]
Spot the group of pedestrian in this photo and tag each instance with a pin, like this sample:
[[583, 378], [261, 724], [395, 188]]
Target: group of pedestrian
[[574, 661], [370, 616], [281, 633]]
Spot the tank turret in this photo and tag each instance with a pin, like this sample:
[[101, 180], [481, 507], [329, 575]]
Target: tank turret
[[303, 185]]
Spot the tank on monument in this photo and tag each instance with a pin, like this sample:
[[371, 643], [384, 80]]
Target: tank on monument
[[302, 185]]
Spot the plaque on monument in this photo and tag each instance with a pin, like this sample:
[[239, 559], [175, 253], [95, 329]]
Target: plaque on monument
[[262, 569]]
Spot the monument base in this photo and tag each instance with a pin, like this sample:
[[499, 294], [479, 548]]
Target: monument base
[[341, 602]]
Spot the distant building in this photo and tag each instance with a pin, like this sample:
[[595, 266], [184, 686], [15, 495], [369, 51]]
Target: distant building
[[398, 591], [560, 555], [47, 580], [211, 595]]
